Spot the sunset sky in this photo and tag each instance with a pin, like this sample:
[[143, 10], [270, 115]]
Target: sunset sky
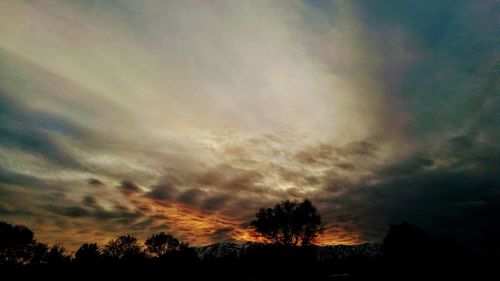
[[134, 117]]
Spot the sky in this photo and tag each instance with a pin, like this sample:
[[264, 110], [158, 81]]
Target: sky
[[135, 117]]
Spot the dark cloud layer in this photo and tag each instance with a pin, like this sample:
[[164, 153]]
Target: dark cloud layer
[[95, 182], [456, 72], [449, 187], [459, 200], [223, 235], [408, 166], [33, 131], [215, 202], [191, 196], [128, 187], [163, 191]]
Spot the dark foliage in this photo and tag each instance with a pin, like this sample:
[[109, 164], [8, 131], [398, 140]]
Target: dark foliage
[[123, 248], [407, 253], [88, 253], [288, 223], [159, 244], [56, 255], [16, 244]]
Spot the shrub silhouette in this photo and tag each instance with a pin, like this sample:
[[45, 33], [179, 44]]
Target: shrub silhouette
[[289, 223]]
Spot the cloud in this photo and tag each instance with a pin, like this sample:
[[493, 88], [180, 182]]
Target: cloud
[[442, 199], [95, 182], [163, 191], [228, 177], [8, 211], [408, 166], [89, 201], [215, 202], [375, 110], [71, 211], [14, 177], [223, 235], [129, 187], [35, 131], [190, 196]]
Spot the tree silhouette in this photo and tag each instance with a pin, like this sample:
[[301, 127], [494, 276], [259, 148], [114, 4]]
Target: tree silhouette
[[161, 243], [88, 253], [289, 223], [57, 255], [38, 253], [406, 253], [123, 247], [405, 241], [186, 253], [16, 242]]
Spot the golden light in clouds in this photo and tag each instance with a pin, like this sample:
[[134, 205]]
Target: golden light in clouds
[[238, 105]]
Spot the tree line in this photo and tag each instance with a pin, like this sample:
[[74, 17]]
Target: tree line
[[288, 223], [288, 232]]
